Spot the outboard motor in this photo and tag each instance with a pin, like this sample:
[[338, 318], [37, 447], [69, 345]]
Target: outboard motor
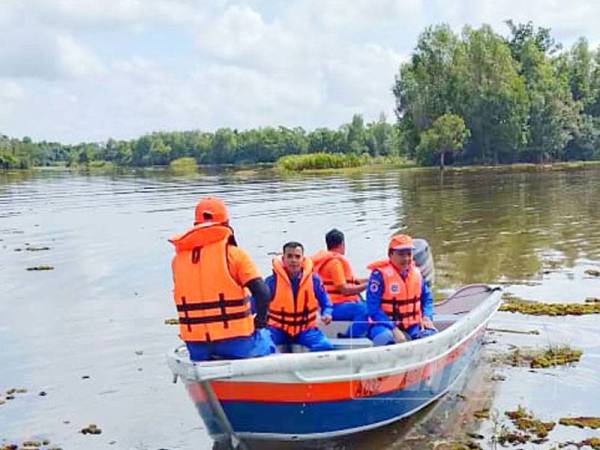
[[424, 260]]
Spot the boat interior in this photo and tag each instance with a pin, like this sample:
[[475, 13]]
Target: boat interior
[[441, 322]]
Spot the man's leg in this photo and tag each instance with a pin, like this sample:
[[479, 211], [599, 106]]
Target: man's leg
[[381, 335], [314, 340], [259, 344], [415, 332], [199, 351], [357, 313]]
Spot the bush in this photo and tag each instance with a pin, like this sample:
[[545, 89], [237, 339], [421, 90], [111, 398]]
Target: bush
[[312, 161], [185, 164]]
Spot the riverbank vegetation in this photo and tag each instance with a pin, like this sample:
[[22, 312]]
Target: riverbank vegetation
[[515, 304], [478, 97], [539, 358], [323, 161]]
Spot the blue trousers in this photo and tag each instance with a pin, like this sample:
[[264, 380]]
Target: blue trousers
[[382, 335], [357, 313], [312, 338], [259, 344]]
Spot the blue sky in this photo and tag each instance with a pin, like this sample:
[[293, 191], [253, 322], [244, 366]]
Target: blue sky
[[87, 70]]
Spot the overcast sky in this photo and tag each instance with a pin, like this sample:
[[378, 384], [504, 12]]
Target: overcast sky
[[87, 70]]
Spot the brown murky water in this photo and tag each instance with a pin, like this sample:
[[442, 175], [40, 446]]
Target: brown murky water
[[90, 333]]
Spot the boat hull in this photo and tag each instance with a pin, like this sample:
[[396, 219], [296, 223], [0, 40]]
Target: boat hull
[[327, 394], [321, 410]]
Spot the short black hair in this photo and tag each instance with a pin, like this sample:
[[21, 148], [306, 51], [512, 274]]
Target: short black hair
[[334, 238], [293, 244]]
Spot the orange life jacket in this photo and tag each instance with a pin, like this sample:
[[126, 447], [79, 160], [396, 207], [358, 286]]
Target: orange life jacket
[[286, 312], [211, 305], [401, 298], [320, 260]]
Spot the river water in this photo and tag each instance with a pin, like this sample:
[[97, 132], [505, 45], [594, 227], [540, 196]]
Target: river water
[[89, 335]]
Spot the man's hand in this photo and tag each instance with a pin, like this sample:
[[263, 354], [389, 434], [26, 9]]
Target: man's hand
[[398, 335], [427, 323], [326, 319], [260, 322]]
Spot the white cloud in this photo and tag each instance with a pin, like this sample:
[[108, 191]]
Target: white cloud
[[10, 91], [76, 14], [47, 54], [88, 69]]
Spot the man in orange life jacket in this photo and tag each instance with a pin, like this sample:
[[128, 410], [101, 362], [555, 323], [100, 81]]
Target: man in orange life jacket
[[398, 299], [342, 287], [296, 295], [211, 277]]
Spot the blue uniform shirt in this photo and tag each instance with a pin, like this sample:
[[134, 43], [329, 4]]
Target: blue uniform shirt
[[319, 290], [375, 289]]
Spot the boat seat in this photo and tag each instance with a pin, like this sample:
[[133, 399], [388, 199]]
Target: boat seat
[[348, 343], [338, 344], [443, 321]]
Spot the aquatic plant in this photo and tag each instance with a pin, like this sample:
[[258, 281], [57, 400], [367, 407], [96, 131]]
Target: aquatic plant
[[556, 356], [482, 414], [313, 161], [185, 164], [525, 421], [517, 305], [40, 268], [539, 358], [91, 429], [581, 422]]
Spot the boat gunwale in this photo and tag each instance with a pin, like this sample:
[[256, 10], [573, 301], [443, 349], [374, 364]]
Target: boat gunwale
[[229, 370]]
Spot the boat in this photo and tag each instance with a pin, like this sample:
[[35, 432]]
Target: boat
[[355, 387]]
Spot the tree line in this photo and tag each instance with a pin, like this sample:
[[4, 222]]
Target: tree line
[[482, 98], [224, 146], [471, 98]]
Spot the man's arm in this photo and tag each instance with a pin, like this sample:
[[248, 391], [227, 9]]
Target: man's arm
[[426, 306], [374, 291], [245, 272], [426, 301], [323, 298], [261, 294], [339, 280]]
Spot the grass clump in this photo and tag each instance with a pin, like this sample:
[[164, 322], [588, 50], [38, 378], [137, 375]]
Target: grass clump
[[591, 442], [482, 414], [40, 268], [517, 305], [556, 356], [312, 161], [524, 420], [540, 358], [185, 164], [581, 422]]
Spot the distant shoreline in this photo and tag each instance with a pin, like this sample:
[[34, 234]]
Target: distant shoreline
[[248, 169]]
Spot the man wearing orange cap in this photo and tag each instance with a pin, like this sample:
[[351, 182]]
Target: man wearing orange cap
[[399, 302], [212, 276]]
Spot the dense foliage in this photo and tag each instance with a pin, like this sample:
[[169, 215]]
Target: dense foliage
[[521, 98], [473, 98], [224, 146]]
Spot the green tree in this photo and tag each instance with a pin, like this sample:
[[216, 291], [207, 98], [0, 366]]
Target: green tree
[[581, 68], [424, 88], [552, 113], [355, 135], [447, 134], [490, 96]]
